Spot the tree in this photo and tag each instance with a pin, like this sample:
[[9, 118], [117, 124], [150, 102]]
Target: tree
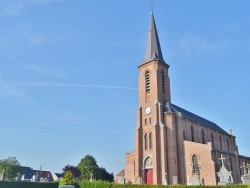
[[106, 176], [73, 169], [68, 179], [88, 167], [10, 166]]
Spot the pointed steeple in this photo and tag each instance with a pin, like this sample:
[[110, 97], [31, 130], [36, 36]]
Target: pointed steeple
[[153, 50]]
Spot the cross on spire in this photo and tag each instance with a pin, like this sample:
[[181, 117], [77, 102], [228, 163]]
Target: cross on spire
[[151, 3], [153, 49], [245, 167]]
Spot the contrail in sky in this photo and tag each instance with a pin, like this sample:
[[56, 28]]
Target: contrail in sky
[[73, 85]]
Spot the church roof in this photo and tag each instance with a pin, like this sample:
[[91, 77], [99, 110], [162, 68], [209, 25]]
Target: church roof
[[153, 50], [242, 156], [198, 119], [122, 173]]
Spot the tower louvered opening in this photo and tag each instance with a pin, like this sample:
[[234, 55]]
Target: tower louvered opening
[[147, 80], [163, 82]]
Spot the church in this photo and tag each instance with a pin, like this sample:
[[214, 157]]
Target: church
[[173, 145]]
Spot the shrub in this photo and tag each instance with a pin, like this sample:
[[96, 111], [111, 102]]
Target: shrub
[[68, 179]]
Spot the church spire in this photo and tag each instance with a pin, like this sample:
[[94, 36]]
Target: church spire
[[153, 50]]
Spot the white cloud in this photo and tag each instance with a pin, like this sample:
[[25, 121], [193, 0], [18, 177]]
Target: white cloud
[[14, 89], [17, 36], [9, 90], [12, 7], [16, 7], [4, 42], [33, 37], [43, 2], [73, 85], [42, 70], [64, 117], [193, 43]]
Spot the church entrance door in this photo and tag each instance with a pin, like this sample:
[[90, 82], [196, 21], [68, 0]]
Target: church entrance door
[[149, 176]]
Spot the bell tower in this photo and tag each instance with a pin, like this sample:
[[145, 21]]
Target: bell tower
[[153, 78], [154, 100]]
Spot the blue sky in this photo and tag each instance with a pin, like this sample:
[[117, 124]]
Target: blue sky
[[68, 73]]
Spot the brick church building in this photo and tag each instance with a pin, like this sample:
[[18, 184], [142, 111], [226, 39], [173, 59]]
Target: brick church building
[[172, 144]]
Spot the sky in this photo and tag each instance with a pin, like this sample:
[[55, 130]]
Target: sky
[[69, 74]]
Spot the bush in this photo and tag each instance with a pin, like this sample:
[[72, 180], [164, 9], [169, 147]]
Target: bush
[[68, 179], [103, 184], [94, 184]]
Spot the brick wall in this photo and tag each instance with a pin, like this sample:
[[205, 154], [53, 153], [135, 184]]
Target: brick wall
[[203, 152], [130, 167]]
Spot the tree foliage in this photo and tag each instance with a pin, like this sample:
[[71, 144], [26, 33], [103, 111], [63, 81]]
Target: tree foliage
[[73, 169], [68, 179], [88, 166], [106, 176], [10, 167]]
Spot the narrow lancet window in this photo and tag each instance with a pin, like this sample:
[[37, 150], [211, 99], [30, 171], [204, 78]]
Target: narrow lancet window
[[212, 140], [202, 137], [231, 165], [220, 143], [134, 167], [150, 140], [146, 141], [192, 133], [228, 145]]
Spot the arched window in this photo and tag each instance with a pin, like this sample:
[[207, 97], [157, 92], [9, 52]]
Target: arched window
[[163, 82], [150, 140], [202, 137], [192, 133], [146, 141], [195, 164], [184, 136], [147, 81], [212, 140]]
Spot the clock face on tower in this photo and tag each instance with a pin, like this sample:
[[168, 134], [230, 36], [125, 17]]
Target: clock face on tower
[[148, 110]]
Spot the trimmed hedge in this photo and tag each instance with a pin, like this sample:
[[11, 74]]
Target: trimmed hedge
[[101, 184], [9, 184], [98, 184]]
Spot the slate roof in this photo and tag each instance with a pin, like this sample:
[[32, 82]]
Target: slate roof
[[242, 156], [198, 119], [27, 172], [58, 175], [153, 50], [43, 174]]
